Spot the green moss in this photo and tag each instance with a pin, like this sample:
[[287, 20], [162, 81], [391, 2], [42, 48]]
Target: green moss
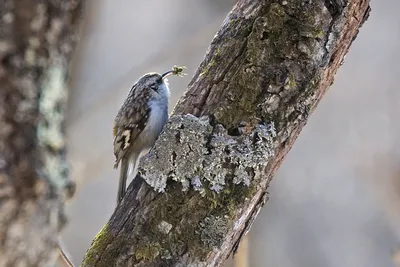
[[212, 62], [233, 22], [231, 196], [319, 33], [148, 251], [99, 243], [292, 80], [207, 68], [218, 52]]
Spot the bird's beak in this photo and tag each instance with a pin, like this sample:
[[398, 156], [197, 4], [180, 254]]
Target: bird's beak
[[165, 75]]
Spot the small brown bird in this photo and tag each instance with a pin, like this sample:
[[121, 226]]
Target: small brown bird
[[140, 121]]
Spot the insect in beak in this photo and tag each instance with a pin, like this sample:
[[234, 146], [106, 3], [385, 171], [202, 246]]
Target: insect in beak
[[178, 71]]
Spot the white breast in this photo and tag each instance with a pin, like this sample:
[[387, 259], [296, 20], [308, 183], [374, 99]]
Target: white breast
[[157, 119]]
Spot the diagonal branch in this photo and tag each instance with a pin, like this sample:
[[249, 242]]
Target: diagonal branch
[[207, 176]]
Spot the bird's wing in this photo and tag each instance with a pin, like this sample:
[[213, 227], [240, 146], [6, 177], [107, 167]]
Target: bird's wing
[[131, 120]]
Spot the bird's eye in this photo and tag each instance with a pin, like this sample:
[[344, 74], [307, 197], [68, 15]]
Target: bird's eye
[[159, 81], [154, 87]]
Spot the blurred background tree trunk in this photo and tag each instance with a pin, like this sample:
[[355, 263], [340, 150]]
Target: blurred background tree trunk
[[269, 63], [36, 42]]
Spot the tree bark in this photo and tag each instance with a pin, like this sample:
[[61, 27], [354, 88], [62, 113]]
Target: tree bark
[[36, 42], [206, 179]]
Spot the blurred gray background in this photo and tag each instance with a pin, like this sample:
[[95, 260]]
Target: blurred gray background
[[335, 200]]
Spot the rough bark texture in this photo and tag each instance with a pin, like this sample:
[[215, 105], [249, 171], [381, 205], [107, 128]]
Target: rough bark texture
[[207, 176], [36, 42]]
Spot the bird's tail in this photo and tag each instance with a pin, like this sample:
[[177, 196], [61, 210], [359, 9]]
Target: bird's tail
[[123, 176]]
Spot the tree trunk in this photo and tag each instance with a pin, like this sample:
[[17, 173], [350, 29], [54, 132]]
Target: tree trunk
[[36, 42], [206, 179]]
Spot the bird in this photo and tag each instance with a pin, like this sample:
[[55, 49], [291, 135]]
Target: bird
[[139, 122]]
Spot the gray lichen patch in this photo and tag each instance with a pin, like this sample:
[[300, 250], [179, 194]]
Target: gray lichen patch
[[180, 147], [194, 153], [212, 231]]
